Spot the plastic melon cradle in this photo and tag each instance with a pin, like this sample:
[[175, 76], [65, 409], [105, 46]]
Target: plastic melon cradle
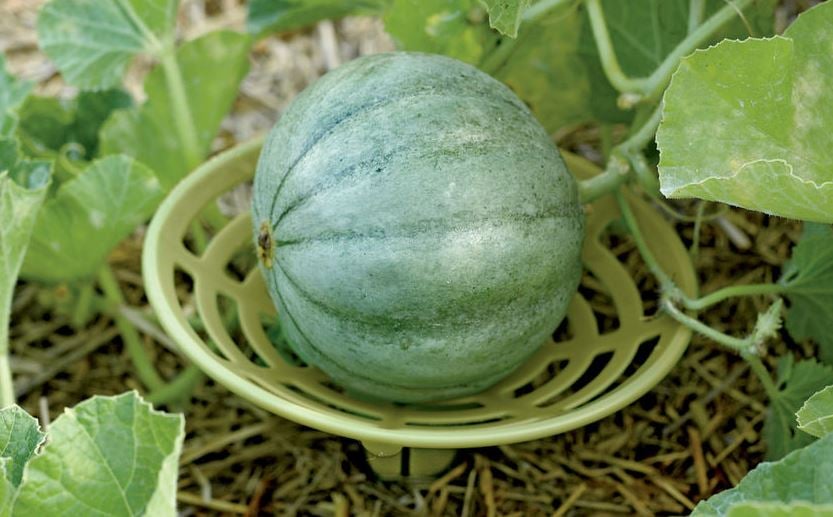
[[565, 385]]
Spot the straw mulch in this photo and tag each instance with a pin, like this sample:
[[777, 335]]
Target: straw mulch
[[696, 433]]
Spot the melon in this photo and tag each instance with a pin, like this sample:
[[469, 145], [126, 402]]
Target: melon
[[416, 227]]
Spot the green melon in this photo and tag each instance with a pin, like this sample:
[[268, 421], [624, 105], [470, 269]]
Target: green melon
[[417, 228]]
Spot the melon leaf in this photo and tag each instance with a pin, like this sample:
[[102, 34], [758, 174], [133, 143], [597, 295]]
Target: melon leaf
[[768, 509], [768, 99], [796, 383], [282, 15], [802, 476], [51, 127], [816, 415], [808, 284], [212, 67], [20, 437], [555, 66], [455, 28], [12, 90], [505, 15], [92, 42], [106, 456], [88, 215]]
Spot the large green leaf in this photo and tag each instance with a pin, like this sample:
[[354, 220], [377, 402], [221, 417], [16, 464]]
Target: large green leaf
[[111, 456], [92, 42], [20, 437], [803, 476], [282, 15], [456, 28], [808, 284], [555, 65], [212, 66], [88, 217], [768, 509], [748, 123], [22, 190], [505, 15], [796, 383], [12, 89], [66, 130], [816, 415]]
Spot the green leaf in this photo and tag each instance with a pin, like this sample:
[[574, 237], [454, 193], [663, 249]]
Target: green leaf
[[803, 475], [212, 66], [761, 509], [88, 217], [455, 28], [505, 15], [106, 456], [555, 66], [747, 123], [92, 42], [816, 415], [796, 383], [12, 90], [20, 436], [808, 284], [19, 204], [283, 15], [51, 127]]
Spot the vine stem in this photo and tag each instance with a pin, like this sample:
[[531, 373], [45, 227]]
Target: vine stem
[[763, 375], [183, 118], [6, 387], [618, 167], [710, 299], [695, 14], [133, 344], [651, 87], [739, 345]]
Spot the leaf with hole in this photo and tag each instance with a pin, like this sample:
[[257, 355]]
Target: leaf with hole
[[760, 109], [93, 42]]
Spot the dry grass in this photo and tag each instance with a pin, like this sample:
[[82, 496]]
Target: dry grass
[[696, 433]]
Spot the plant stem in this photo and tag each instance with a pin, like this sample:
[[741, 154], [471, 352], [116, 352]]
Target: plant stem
[[666, 284], [737, 344], [710, 299], [610, 63], [6, 387], [130, 336], [183, 119], [618, 167], [179, 388], [662, 75], [763, 375], [7, 397], [695, 14], [651, 87], [83, 305]]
